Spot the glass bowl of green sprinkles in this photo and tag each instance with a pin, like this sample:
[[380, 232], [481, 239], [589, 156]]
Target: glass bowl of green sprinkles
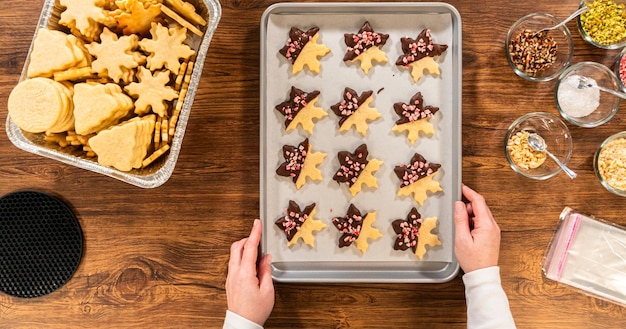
[[604, 24]]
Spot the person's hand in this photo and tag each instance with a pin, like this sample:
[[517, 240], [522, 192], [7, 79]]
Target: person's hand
[[250, 291], [477, 235]]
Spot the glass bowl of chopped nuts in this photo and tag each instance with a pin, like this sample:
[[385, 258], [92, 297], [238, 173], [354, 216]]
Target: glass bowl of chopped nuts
[[604, 24], [579, 99], [609, 163], [538, 56], [531, 163]]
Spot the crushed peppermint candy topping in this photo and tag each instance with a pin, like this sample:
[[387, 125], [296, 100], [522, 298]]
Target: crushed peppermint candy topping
[[298, 100], [365, 39], [414, 111], [291, 223], [416, 49], [294, 160], [416, 170], [352, 165], [349, 225], [350, 104], [407, 231], [296, 42]]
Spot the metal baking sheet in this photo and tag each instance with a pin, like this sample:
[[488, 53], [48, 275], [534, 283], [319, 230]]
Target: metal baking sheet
[[158, 172], [326, 262]]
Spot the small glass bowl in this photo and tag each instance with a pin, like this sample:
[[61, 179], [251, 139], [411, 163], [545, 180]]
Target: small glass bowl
[[616, 45], [608, 184], [621, 76], [562, 37], [608, 104], [558, 140]]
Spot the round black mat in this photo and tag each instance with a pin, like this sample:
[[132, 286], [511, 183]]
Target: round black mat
[[41, 244]]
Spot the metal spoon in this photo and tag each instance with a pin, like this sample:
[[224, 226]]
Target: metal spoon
[[572, 16], [583, 83], [535, 141]]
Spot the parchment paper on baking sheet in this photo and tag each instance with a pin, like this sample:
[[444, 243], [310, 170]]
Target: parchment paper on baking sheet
[[390, 84]]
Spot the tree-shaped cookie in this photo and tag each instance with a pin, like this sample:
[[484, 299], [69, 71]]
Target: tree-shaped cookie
[[417, 178], [300, 163], [365, 46], [356, 228], [300, 109], [415, 233], [299, 224], [302, 49], [116, 57], [414, 117], [151, 91], [419, 54], [355, 169], [355, 110], [166, 48]]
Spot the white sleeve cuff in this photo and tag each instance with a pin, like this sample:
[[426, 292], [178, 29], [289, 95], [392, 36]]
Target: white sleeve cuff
[[236, 321]]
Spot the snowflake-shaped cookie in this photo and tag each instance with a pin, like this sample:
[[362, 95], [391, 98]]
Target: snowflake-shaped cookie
[[355, 110], [116, 57], [300, 109], [302, 49], [414, 117], [299, 224], [417, 178], [356, 228], [419, 54], [365, 46], [151, 91], [166, 47], [355, 169], [84, 17], [300, 163], [136, 16], [415, 233]]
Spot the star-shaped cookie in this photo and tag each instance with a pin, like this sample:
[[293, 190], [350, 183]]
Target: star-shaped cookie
[[302, 49], [419, 54], [414, 117], [136, 16], [116, 57], [166, 48], [417, 178], [355, 169], [299, 224], [300, 163], [355, 110], [365, 46], [151, 91], [300, 109], [84, 17], [356, 228], [415, 233]]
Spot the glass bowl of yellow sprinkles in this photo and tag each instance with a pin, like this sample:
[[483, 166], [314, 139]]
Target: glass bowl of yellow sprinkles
[[603, 24]]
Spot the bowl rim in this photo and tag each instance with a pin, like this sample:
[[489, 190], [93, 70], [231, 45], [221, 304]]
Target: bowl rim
[[524, 117], [572, 120], [616, 69], [587, 38], [509, 36], [618, 192]]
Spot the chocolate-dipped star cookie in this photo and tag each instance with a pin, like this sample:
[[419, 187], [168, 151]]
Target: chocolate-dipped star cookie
[[415, 233], [419, 54], [300, 109], [417, 178], [365, 46], [414, 117], [356, 170], [356, 228], [302, 49], [298, 224], [354, 110], [300, 163]]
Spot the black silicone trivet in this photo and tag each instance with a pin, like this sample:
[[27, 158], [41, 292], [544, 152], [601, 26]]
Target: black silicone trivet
[[41, 244]]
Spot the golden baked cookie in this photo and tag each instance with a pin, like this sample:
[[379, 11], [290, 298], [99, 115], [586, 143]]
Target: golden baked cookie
[[302, 49], [299, 224], [300, 163], [414, 117], [417, 178], [300, 109], [364, 46], [152, 92], [419, 55], [355, 110]]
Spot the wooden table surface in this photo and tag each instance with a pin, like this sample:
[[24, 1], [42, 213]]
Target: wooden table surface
[[158, 257]]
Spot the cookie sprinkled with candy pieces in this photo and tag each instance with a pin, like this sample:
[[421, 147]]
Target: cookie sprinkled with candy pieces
[[355, 110], [355, 169], [365, 47], [299, 224], [415, 233], [417, 178], [302, 49], [356, 228], [414, 117], [300, 163], [300, 109], [419, 54]]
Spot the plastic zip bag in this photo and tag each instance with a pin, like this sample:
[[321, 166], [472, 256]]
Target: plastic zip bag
[[588, 254]]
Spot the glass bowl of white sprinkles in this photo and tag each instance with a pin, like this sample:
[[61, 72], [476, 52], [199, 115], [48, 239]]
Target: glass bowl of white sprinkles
[[579, 101]]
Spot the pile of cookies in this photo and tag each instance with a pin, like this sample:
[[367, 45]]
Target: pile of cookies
[[110, 78], [357, 168]]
